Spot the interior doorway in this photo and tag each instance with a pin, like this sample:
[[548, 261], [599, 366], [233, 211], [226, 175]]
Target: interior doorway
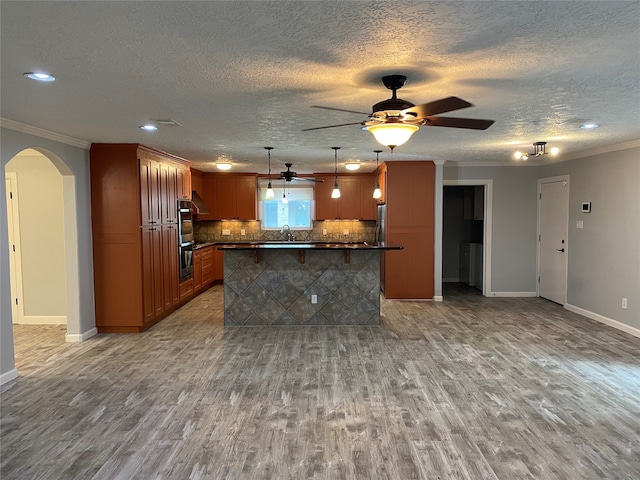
[[466, 236], [553, 246], [41, 213]]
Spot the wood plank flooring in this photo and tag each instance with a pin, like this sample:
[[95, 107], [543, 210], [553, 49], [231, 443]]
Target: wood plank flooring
[[470, 388]]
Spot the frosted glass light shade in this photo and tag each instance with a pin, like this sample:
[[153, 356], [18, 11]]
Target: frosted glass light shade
[[395, 134], [335, 193], [377, 193], [269, 195]]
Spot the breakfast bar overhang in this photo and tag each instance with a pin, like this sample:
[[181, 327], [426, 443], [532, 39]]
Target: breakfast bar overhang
[[291, 283]]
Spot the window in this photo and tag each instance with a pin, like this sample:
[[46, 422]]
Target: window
[[295, 212]]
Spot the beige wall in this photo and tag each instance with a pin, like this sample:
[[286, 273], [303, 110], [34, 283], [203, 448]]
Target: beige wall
[[40, 200]]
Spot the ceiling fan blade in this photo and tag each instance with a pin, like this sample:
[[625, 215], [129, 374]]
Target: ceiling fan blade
[[472, 123], [439, 106], [332, 126], [340, 110], [310, 179]]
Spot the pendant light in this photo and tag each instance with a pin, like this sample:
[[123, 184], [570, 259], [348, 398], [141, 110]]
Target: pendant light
[[336, 191], [269, 194], [285, 200], [377, 193]]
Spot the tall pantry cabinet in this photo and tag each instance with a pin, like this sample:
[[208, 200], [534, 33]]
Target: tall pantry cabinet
[[134, 195], [410, 199]]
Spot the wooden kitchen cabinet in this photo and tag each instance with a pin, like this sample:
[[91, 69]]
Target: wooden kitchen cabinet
[[410, 197], [134, 194], [183, 183], [218, 265], [356, 197], [230, 196], [202, 269]]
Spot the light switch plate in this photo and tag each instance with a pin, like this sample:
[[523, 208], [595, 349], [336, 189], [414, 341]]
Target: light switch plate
[[579, 224], [243, 231], [226, 231], [345, 231]]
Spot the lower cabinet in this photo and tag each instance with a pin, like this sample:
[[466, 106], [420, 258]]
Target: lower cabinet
[[203, 271]]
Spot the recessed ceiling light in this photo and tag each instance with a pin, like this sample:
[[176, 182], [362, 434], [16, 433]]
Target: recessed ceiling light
[[149, 128], [40, 76], [589, 126], [352, 165], [223, 165]]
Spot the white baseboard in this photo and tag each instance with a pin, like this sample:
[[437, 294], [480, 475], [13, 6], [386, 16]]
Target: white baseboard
[[451, 280], [8, 376], [74, 338], [43, 320], [513, 294], [602, 319], [438, 298]]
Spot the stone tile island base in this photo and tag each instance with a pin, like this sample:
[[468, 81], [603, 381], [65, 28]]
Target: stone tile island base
[[277, 290]]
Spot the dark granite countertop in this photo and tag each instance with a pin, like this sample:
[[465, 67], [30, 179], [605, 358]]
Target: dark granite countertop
[[309, 246]]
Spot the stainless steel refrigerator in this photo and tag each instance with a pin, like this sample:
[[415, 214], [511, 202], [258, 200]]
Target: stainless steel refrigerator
[[381, 235]]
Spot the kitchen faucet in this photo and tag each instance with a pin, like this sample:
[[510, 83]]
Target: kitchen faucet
[[287, 231]]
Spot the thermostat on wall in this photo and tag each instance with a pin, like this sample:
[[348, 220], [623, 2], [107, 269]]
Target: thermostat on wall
[[586, 207]]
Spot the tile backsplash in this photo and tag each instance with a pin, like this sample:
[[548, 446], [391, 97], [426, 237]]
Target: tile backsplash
[[211, 231]]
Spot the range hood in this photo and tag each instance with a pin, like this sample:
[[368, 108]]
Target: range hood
[[198, 202]]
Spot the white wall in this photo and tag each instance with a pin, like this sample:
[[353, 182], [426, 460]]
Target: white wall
[[73, 163], [39, 197]]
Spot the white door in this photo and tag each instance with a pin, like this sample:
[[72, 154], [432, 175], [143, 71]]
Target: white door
[[553, 211], [15, 264]]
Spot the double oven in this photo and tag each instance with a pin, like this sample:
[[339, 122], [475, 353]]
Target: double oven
[[185, 239]]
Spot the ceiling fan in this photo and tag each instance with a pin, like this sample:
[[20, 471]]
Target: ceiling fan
[[290, 175], [394, 120]]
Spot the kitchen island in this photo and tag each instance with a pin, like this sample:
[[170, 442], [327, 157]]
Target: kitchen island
[[294, 283]]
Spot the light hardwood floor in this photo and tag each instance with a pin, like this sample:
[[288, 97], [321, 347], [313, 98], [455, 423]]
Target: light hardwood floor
[[470, 388]]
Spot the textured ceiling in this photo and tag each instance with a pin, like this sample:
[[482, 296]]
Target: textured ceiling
[[241, 75]]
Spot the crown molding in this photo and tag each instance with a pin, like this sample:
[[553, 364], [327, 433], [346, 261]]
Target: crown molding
[[601, 150], [39, 132]]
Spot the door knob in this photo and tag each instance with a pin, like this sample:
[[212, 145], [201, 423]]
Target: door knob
[[559, 249]]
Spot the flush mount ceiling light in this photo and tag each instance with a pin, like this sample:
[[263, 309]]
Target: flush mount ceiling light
[[40, 76], [589, 126], [223, 165], [336, 191], [269, 195], [377, 193], [352, 165], [539, 148], [148, 128]]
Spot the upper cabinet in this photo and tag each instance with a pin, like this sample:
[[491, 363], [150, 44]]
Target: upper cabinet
[[183, 183], [230, 196], [473, 204], [356, 197]]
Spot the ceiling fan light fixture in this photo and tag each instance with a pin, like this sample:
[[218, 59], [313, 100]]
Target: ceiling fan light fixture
[[223, 165], [392, 134]]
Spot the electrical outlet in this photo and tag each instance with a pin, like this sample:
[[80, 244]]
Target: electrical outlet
[[226, 231], [314, 298], [243, 232], [624, 302], [579, 224], [345, 231], [324, 231]]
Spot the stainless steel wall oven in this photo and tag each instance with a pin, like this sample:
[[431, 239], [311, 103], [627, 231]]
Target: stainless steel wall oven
[[185, 239]]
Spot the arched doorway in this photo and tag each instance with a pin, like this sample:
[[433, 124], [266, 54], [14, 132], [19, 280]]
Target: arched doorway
[[48, 243]]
